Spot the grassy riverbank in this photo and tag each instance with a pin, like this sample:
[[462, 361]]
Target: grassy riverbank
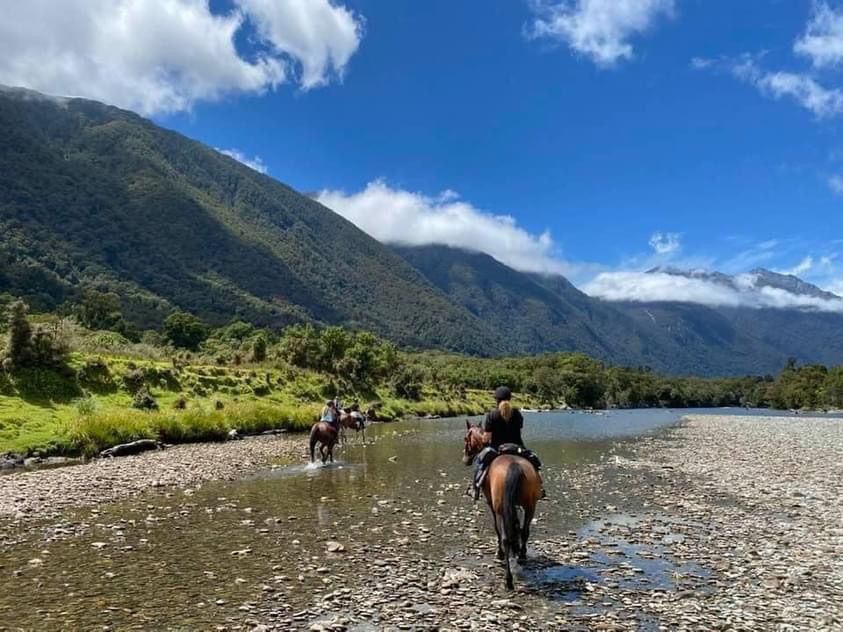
[[91, 408], [66, 389]]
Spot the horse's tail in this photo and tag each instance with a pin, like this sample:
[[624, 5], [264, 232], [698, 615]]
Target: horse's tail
[[313, 439], [511, 493]]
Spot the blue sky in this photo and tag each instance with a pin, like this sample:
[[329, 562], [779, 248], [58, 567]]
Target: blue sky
[[614, 135]]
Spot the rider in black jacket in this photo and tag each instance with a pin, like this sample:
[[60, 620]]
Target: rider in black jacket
[[504, 424]]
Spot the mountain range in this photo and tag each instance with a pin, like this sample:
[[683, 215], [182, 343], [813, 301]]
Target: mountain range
[[95, 196]]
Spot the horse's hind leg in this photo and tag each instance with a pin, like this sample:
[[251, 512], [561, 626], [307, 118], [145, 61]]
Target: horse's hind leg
[[497, 532], [525, 533], [509, 583]]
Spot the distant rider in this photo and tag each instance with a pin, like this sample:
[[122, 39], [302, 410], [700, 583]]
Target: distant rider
[[503, 424], [330, 415]]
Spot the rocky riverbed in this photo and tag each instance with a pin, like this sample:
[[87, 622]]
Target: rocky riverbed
[[722, 522], [46, 493]]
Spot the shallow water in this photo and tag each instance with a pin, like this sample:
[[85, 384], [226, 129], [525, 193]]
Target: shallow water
[[188, 559]]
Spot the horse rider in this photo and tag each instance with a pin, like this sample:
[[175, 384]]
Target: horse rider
[[355, 413], [330, 415], [503, 424]]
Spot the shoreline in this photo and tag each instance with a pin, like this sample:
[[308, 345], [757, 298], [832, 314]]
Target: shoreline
[[46, 493], [12, 462]]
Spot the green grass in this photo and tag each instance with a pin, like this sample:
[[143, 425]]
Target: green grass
[[251, 399], [90, 434]]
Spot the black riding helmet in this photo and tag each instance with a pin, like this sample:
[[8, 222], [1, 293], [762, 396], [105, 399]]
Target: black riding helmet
[[503, 394]]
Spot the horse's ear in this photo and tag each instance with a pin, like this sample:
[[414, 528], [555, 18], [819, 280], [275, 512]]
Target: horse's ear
[[467, 424]]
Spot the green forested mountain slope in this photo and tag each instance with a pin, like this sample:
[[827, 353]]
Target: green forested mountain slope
[[91, 195], [94, 196], [541, 314], [547, 313]]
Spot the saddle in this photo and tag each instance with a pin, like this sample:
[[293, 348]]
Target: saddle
[[489, 454]]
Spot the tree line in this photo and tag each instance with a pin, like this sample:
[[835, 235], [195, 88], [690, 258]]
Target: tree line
[[360, 362]]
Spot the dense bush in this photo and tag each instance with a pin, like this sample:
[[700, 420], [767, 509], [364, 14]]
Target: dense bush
[[185, 330], [143, 400], [95, 374], [28, 348]]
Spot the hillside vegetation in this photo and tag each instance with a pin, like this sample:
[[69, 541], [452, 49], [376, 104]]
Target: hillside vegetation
[[96, 197], [541, 313], [65, 389]]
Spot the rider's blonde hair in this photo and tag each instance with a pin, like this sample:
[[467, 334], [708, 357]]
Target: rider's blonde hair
[[505, 409]]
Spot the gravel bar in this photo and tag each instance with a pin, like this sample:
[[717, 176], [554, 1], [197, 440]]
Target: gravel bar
[[40, 494]]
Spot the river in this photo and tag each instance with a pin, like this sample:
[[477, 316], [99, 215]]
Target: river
[[214, 555]]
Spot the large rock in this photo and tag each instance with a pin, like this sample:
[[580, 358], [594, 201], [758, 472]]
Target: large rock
[[135, 447]]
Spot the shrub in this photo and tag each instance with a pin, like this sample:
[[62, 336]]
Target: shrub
[[19, 345], [134, 379], [48, 351], [86, 406], [185, 330], [407, 383], [95, 374], [143, 400], [180, 403], [259, 349], [100, 310]]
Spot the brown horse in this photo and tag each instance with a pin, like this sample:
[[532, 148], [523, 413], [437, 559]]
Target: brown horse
[[326, 436], [348, 420], [511, 482]]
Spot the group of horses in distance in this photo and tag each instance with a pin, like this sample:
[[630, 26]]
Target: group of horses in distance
[[326, 436], [510, 482]]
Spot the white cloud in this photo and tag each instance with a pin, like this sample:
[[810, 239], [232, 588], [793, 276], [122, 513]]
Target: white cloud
[[665, 243], [836, 286], [802, 88], [835, 183], [701, 63], [598, 29], [403, 217], [660, 286], [255, 163], [822, 41], [320, 34], [803, 267], [161, 56]]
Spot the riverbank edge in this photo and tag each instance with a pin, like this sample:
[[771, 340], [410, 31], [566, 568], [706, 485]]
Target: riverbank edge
[[60, 455], [100, 432]]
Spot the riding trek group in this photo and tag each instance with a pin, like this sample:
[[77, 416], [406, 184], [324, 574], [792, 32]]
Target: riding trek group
[[506, 472]]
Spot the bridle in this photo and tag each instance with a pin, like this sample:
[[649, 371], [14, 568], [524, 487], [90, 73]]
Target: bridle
[[475, 440]]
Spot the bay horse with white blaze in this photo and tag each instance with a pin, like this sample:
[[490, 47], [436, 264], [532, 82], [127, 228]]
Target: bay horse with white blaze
[[510, 482]]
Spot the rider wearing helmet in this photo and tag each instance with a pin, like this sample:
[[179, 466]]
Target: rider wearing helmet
[[503, 424]]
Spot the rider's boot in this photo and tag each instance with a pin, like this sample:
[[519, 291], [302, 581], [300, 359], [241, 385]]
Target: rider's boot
[[543, 494]]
